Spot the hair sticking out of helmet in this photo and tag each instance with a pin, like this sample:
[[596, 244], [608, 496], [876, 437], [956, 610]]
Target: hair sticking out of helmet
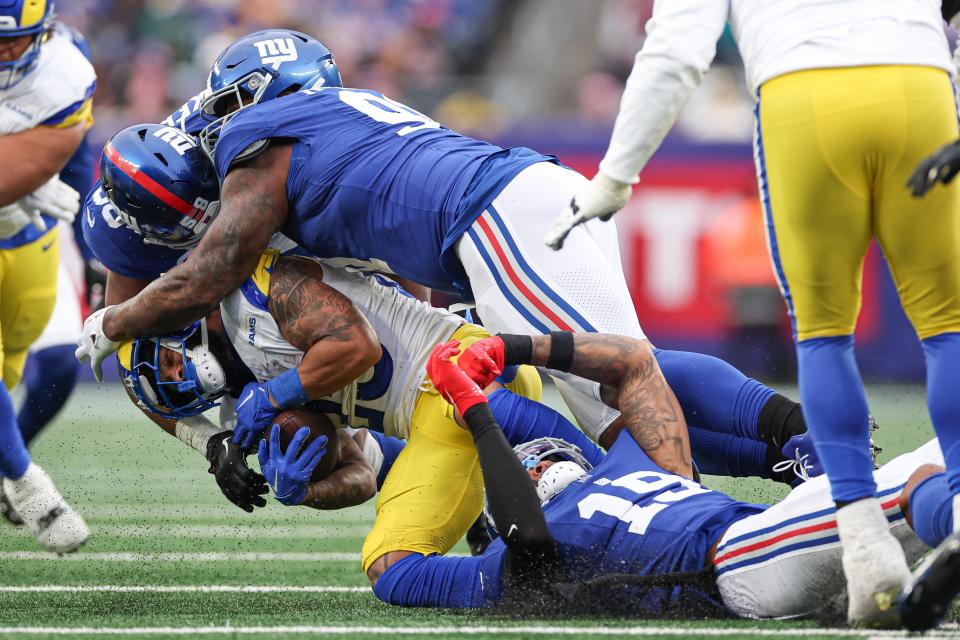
[[262, 66], [161, 183], [186, 380], [24, 18]]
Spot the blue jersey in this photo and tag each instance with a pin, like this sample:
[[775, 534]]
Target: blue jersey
[[626, 516], [375, 181], [119, 248]]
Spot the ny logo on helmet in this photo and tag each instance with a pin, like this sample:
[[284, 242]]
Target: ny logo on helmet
[[180, 141], [276, 51]]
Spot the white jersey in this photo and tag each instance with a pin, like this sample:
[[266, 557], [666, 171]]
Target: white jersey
[[383, 398], [56, 90], [775, 37]]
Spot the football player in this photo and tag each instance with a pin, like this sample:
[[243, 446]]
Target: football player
[[353, 176], [627, 516], [154, 227], [50, 374], [355, 347], [851, 95], [46, 85]]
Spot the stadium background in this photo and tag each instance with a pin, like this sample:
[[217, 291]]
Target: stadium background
[[170, 557], [547, 75]]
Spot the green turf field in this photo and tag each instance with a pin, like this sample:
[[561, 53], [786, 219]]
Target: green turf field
[[169, 557]]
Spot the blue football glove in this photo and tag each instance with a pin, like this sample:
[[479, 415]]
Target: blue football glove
[[289, 473], [255, 412]]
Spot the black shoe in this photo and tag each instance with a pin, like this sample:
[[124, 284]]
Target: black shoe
[[478, 536], [8, 513], [927, 597]]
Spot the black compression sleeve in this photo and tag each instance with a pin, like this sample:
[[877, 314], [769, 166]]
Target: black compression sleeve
[[513, 501], [516, 349], [532, 561]]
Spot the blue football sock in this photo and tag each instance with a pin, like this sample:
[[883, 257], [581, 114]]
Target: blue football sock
[[943, 399], [720, 454], [835, 407], [14, 458], [50, 376], [931, 509], [713, 394], [523, 420], [390, 447]]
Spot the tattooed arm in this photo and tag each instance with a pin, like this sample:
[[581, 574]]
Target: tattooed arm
[[253, 206], [338, 342], [647, 405], [353, 481]]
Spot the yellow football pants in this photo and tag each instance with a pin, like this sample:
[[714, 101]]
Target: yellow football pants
[[434, 491], [28, 292], [834, 149]]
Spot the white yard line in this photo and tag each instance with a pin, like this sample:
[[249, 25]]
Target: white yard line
[[186, 588], [472, 630], [265, 530], [254, 556], [191, 556]]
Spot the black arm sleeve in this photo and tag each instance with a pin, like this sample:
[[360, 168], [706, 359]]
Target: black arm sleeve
[[950, 9], [532, 558]]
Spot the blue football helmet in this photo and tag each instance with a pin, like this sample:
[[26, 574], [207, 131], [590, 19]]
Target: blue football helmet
[[201, 380], [23, 18], [161, 183], [262, 66]]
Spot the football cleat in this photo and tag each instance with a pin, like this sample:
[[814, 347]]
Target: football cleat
[[7, 511], [934, 586], [56, 525], [874, 565]]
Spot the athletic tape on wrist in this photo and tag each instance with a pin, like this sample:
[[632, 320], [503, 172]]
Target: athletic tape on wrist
[[561, 351], [196, 432]]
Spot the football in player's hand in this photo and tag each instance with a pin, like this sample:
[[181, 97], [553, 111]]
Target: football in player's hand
[[320, 425]]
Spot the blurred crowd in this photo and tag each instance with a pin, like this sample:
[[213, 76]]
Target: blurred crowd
[[151, 55]]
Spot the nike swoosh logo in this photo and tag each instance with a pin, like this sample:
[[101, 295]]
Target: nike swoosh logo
[[245, 400], [510, 531], [48, 245]]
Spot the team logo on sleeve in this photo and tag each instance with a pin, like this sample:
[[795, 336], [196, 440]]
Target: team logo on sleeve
[[276, 51]]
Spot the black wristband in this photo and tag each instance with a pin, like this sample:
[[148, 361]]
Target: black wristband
[[561, 351], [516, 349], [480, 419]]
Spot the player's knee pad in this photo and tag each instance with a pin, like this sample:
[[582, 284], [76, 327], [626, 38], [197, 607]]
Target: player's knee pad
[[931, 509]]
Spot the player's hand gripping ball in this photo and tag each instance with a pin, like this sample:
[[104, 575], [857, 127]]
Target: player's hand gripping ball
[[289, 472]]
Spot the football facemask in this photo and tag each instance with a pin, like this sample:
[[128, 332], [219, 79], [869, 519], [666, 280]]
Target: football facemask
[[201, 383]]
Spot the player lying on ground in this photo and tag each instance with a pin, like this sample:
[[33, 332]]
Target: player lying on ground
[[629, 515], [462, 215], [310, 334]]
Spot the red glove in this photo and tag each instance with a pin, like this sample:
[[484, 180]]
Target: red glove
[[483, 360], [450, 380]]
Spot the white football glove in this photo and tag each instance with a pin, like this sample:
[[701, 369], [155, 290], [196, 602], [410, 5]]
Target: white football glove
[[94, 346], [13, 218], [600, 198], [55, 198]]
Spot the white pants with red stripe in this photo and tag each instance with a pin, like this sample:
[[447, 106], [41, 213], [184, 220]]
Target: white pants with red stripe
[[522, 286], [785, 561]]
